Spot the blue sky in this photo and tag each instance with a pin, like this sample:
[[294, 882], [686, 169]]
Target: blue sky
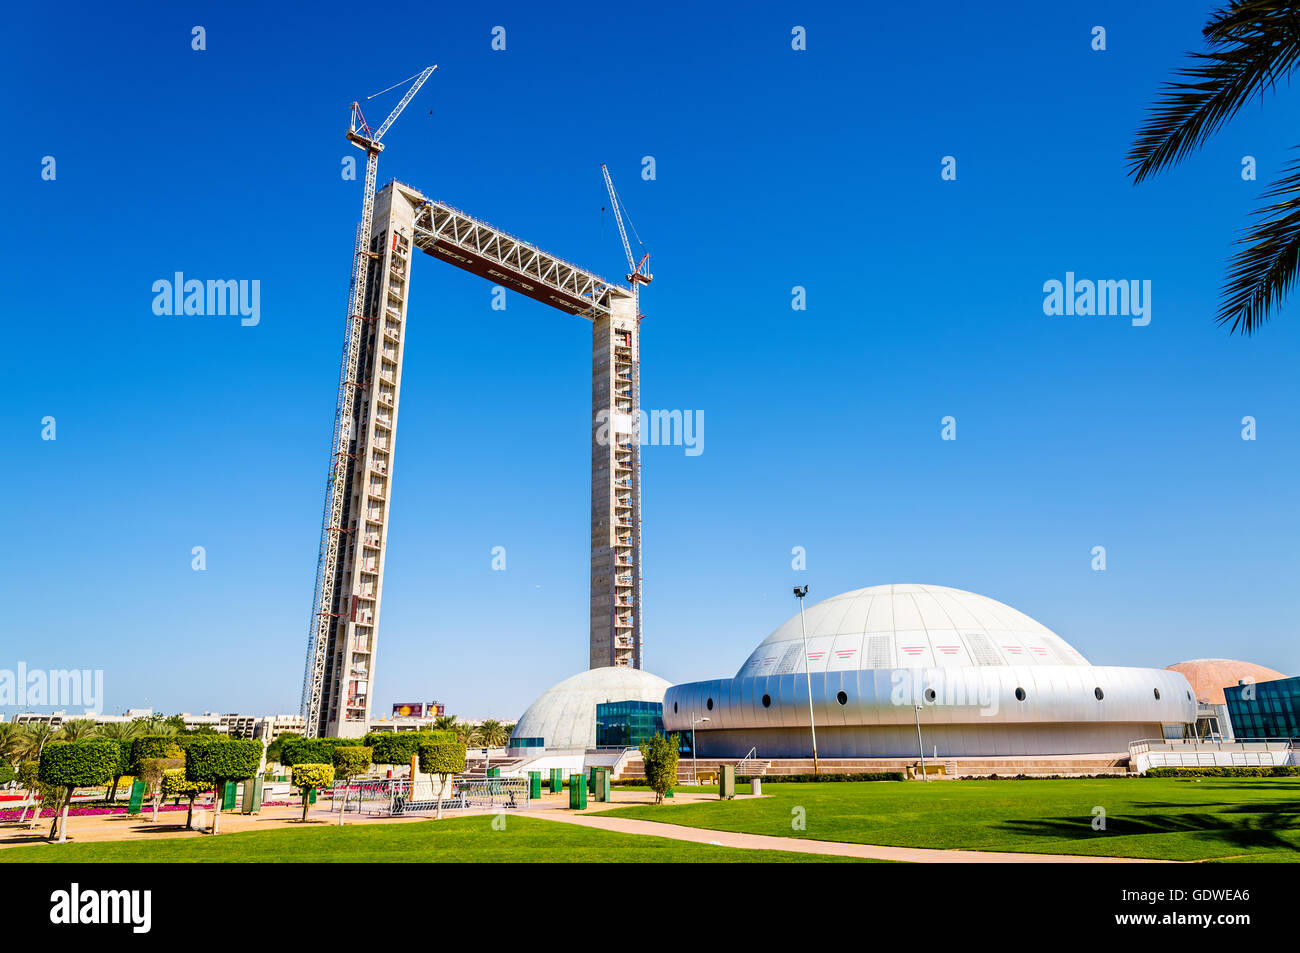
[[775, 168]]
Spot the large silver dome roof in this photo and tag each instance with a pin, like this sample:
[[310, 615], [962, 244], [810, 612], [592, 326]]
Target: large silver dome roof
[[909, 626]]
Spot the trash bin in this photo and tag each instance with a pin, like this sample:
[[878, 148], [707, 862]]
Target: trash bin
[[534, 785], [726, 781], [755, 785], [577, 792], [252, 797], [557, 780], [600, 781]]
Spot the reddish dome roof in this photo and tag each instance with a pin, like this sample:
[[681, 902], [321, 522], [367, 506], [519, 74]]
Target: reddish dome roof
[[1210, 676]]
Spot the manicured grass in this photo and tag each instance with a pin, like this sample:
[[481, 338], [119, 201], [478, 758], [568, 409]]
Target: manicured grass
[[456, 840], [1237, 819]]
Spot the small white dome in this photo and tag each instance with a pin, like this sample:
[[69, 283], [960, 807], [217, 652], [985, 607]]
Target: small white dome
[[565, 716], [909, 626]]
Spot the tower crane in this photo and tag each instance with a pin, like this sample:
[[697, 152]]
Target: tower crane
[[324, 611], [639, 270]]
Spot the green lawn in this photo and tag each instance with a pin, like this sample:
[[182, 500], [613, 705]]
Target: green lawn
[[455, 840], [1238, 819]]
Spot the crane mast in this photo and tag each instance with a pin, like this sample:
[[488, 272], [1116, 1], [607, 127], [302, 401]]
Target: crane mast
[[324, 610]]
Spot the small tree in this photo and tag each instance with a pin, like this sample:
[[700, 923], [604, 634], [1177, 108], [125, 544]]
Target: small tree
[[123, 763], [175, 784], [6, 774], [151, 772], [309, 777], [660, 757], [76, 764], [217, 762], [351, 760], [148, 747], [29, 780], [443, 758]]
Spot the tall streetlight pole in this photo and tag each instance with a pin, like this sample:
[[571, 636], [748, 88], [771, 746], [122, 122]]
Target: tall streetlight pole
[[800, 593], [920, 747], [695, 774]]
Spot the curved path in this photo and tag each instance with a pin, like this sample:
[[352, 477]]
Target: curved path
[[800, 845]]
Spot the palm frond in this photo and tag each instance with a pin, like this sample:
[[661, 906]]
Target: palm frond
[[1261, 274], [1253, 45]]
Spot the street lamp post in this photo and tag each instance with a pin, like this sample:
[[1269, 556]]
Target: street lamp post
[[812, 724], [920, 747], [695, 774]]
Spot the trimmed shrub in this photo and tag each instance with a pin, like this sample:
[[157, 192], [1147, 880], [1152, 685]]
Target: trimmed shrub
[[6, 773], [1278, 771], [175, 784], [76, 764], [308, 776], [443, 758], [351, 760], [398, 747], [215, 762], [660, 757], [148, 747]]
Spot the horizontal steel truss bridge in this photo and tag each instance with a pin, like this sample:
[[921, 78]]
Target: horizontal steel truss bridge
[[448, 233]]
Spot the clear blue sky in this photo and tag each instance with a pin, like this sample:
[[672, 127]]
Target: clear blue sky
[[775, 168]]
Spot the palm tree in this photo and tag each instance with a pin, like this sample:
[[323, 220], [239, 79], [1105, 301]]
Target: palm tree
[[8, 742], [32, 739], [79, 729], [1253, 44], [466, 734], [444, 723], [493, 734]]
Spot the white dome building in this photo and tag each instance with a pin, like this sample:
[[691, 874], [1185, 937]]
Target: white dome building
[[563, 718], [989, 680]]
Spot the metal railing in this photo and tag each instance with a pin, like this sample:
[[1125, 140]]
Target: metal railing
[[396, 797]]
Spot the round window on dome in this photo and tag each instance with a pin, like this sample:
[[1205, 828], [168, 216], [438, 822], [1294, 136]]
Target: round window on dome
[[1020, 694], [842, 698], [767, 701], [930, 694], [709, 704], [1157, 691], [674, 708], [1099, 693]]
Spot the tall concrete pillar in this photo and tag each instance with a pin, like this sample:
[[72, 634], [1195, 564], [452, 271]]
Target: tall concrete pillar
[[616, 487]]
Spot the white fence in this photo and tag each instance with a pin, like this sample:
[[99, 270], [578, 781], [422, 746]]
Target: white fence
[[1260, 753]]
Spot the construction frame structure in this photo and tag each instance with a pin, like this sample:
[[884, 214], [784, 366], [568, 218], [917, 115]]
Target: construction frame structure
[[345, 617]]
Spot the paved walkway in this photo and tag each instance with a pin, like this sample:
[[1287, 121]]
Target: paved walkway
[[922, 855]]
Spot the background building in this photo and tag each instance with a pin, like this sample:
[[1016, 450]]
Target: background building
[[968, 674], [1265, 709], [1208, 678]]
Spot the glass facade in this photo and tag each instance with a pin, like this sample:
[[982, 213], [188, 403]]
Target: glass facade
[[1265, 709], [627, 724], [527, 742]]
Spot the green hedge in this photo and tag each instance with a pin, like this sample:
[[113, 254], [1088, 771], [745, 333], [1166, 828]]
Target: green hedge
[[6, 773], [78, 764], [227, 759], [312, 750], [151, 747], [1285, 771], [398, 747]]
